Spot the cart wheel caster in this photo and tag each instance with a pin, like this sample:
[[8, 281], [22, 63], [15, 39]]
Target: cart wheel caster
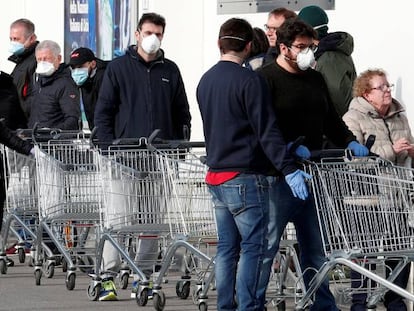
[[50, 270], [38, 276], [142, 299], [202, 306], [93, 292], [182, 289], [159, 301], [3, 266], [64, 265], [281, 306], [22, 255], [123, 282], [70, 281]]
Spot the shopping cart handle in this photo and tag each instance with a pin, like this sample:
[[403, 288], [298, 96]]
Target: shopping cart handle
[[44, 134]]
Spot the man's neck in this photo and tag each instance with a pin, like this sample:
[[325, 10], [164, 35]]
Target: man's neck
[[285, 64], [232, 58]]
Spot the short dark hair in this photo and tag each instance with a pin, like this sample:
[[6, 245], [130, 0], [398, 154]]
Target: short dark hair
[[152, 18], [286, 13], [260, 43], [234, 35], [27, 24], [291, 29]]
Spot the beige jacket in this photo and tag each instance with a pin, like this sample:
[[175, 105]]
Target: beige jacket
[[363, 120]]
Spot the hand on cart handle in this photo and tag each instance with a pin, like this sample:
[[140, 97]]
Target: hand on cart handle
[[358, 149], [298, 150], [297, 183]]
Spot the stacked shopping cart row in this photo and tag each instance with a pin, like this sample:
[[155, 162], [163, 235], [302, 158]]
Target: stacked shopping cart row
[[154, 196], [21, 209], [79, 200], [69, 199], [365, 212]]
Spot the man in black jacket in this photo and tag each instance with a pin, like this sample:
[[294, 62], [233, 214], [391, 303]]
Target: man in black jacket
[[55, 97], [10, 110], [142, 90], [87, 72], [23, 42]]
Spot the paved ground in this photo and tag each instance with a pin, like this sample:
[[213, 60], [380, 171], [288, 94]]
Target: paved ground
[[19, 292]]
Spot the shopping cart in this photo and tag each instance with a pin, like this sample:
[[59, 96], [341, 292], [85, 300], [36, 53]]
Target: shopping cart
[[150, 202], [20, 218], [365, 210], [132, 214], [184, 170], [69, 199], [286, 279]]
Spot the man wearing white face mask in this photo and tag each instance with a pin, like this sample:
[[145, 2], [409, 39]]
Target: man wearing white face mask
[[23, 42], [87, 72], [54, 100], [303, 106], [148, 85], [141, 91]]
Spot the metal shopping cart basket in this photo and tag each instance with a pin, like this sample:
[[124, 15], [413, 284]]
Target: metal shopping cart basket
[[195, 231], [69, 199], [21, 208], [132, 215], [364, 210], [286, 279]]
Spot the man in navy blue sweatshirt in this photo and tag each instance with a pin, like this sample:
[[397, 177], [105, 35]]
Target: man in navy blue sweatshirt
[[246, 154]]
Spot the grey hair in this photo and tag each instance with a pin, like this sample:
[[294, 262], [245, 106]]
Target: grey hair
[[50, 45]]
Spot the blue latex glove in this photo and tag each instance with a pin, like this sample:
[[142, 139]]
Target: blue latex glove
[[357, 149], [296, 182], [301, 151]]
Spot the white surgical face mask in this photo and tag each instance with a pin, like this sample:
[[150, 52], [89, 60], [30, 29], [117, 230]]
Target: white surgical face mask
[[151, 44], [16, 47], [45, 68], [305, 59]]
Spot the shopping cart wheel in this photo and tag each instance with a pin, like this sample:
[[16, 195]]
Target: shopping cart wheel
[[3, 266], [50, 270], [142, 298], [202, 306], [93, 292], [38, 276], [196, 293], [182, 289], [281, 306], [123, 281], [159, 301], [64, 265], [70, 281], [22, 255]]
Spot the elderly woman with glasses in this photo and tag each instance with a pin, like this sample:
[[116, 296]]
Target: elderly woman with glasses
[[373, 111]]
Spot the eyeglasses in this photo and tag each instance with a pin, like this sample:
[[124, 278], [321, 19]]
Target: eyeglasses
[[268, 28], [384, 87], [305, 49]]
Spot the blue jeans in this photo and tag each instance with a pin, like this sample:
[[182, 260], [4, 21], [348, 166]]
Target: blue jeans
[[284, 208], [242, 214]]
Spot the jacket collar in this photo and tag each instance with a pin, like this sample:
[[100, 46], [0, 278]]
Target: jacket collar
[[26, 53], [362, 105]]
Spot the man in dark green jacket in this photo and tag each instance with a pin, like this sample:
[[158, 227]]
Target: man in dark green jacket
[[333, 57]]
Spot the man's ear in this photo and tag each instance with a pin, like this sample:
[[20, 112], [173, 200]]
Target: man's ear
[[248, 48]]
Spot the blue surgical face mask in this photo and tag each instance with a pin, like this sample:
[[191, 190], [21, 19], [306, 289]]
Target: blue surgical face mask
[[16, 47], [80, 75]]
